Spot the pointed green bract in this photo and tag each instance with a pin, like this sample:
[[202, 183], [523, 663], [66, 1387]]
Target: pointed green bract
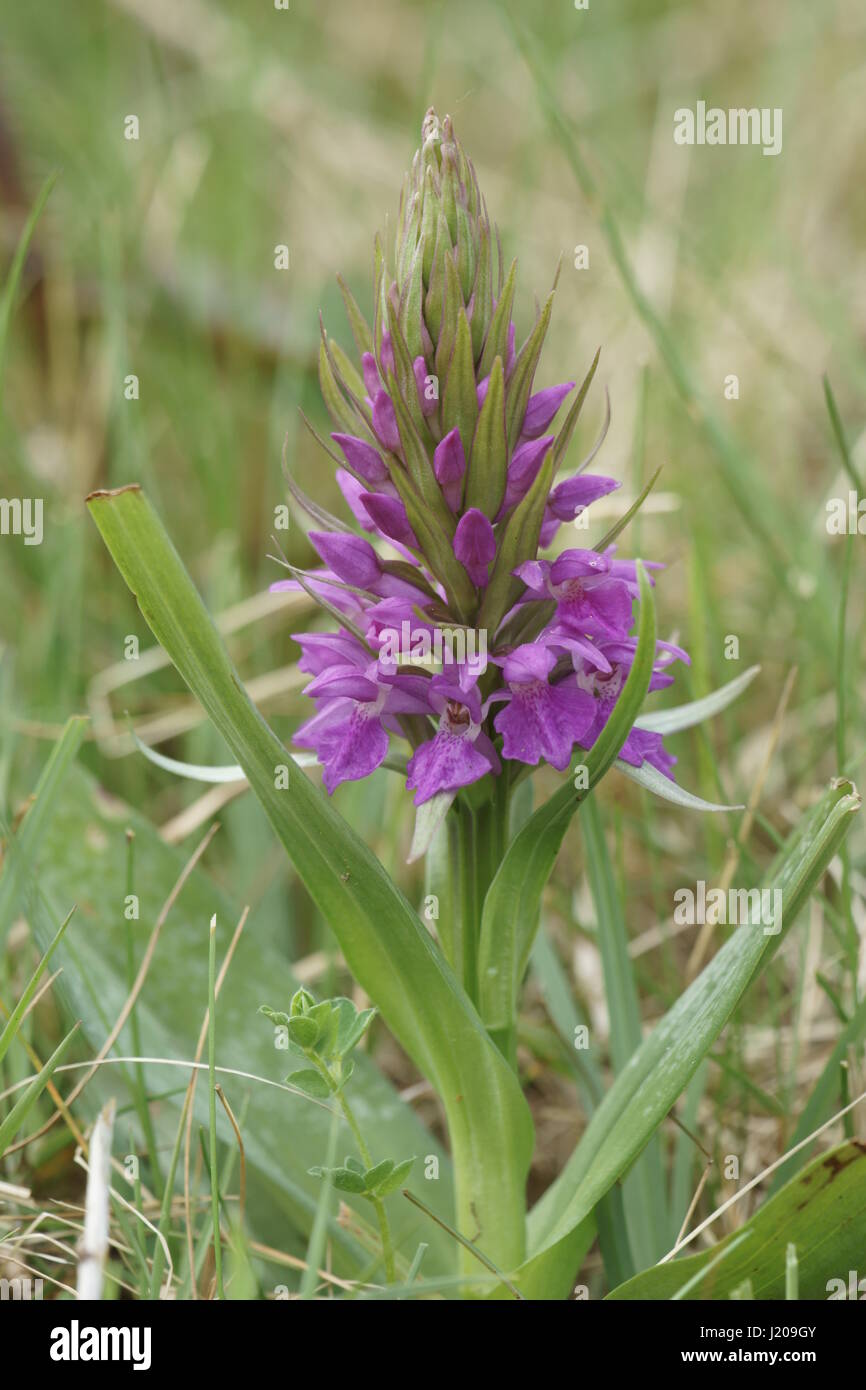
[[485, 486]]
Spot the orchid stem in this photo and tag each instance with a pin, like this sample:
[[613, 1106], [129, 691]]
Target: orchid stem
[[381, 1213]]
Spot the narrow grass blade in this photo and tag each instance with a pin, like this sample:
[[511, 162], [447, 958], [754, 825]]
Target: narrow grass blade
[[22, 849], [22, 1107], [21, 1007]]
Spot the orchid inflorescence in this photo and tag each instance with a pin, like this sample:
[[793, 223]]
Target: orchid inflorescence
[[448, 459]]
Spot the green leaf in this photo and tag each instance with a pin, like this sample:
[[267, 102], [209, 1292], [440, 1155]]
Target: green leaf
[[374, 1176], [485, 482], [523, 373], [310, 1081], [510, 915], [396, 1178], [671, 721], [654, 781], [496, 342], [460, 397], [303, 1031], [360, 328], [344, 1179], [385, 945], [658, 1072], [822, 1212], [352, 1030], [519, 542]]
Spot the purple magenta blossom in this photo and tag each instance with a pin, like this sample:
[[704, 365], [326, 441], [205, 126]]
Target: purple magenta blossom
[[389, 514], [385, 422], [449, 465], [362, 458], [589, 601], [460, 752], [523, 469], [475, 545], [541, 409], [540, 720]]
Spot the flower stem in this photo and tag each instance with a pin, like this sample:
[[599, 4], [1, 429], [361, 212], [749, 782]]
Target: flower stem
[[367, 1160]]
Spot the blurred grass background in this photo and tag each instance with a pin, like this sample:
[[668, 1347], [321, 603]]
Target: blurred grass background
[[155, 257]]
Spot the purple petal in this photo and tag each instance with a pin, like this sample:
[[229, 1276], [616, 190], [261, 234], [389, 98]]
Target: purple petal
[[529, 662], [353, 748], [385, 422], [544, 721], [475, 545], [389, 514], [578, 564], [541, 409], [353, 491], [362, 457], [350, 557], [372, 380], [571, 496], [320, 650], [596, 608], [523, 470], [449, 465]]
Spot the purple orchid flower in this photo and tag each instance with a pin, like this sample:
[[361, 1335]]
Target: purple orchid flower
[[552, 688], [589, 600], [460, 751], [541, 719]]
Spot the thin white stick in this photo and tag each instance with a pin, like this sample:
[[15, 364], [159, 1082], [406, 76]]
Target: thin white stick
[[760, 1178], [94, 1242]]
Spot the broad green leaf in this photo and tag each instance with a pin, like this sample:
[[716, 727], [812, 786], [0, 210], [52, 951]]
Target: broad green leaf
[[659, 1071], [385, 945], [510, 915], [822, 1212]]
